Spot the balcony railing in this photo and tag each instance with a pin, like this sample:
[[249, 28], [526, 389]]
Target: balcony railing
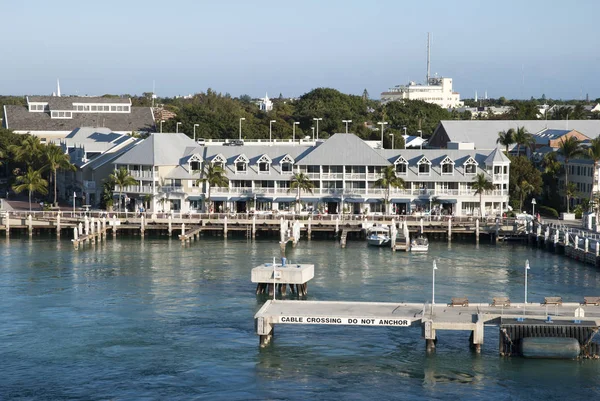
[[134, 189], [142, 174], [355, 176]]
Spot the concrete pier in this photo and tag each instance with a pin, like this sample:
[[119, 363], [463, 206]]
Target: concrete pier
[[430, 319], [276, 277]]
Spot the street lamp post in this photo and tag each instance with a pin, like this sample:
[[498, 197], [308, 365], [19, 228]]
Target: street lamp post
[[382, 123], [347, 122], [161, 121], [195, 125], [526, 268], [421, 135], [177, 127], [392, 135], [433, 285], [533, 203], [241, 119], [271, 130], [404, 128], [294, 130], [313, 132], [317, 120]]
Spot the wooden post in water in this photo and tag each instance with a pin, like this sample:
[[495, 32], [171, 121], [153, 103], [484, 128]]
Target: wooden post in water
[[104, 226], [142, 226], [30, 225], [182, 230], [114, 226], [99, 228], [421, 225], [449, 229], [309, 227], [254, 226], [7, 224], [576, 242], [337, 225], [477, 231], [170, 229], [586, 244], [80, 228], [225, 227], [75, 237], [58, 224]]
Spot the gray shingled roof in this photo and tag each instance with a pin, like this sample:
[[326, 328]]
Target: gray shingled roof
[[484, 133], [160, 150], [66, 103], [344, 149], [18, 118]]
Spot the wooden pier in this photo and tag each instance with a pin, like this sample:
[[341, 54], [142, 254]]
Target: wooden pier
[[431, 319]]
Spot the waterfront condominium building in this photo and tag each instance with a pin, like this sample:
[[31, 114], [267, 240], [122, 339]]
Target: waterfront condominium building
[[343, 170]]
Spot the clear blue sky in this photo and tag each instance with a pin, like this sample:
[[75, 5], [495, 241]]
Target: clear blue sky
[[513, 48]]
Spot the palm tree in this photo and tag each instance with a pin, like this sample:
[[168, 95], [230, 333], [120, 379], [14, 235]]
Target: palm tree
[[388, 180], [524, 189], [56, 160], [213, 175], [505, 138], [522, 137], [300, 182], [121, 178], [28, 151], [107, 194], [569, 148], [31, 182], [481, 184], [593, 153], [571, 192]]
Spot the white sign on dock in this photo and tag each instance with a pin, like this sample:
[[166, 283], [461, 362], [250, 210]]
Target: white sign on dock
[[288, 274], [339, 320]]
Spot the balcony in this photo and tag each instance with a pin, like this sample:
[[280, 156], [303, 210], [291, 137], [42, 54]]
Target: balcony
[[134, 189], [355, 176], [173, 189], [139, 174], [332, 176]]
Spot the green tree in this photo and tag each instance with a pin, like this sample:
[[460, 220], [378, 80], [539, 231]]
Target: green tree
[[593, 153], [569, 148], [522, 169], [31, 182], [570, 193], [389, 180], [28, 151], [213, 176], [522, 138], [551, 168], [481, 185], [300, 182], [524, 189], [121, 178], [56, 159], [506, 138], [107, 197]]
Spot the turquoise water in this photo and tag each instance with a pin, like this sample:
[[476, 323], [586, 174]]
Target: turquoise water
[[152, 320]]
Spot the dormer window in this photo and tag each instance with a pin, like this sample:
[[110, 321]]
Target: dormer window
[[287, 165], [424, 166], [447, 166], [219, 160], [264, 164], [401, 166], [195, 163], [241, 164], [470, 166]]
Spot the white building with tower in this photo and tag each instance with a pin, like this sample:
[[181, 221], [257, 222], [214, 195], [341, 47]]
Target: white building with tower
[[437, 90], [265, 104]]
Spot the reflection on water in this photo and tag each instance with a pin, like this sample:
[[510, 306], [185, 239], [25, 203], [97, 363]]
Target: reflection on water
[[150, 318]]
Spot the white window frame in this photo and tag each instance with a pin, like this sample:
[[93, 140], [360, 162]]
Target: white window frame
[[401, 160], [447, 161], [470, 162], [287, 159], [241, 159], [424, 161], [264, 159], [219, 160]]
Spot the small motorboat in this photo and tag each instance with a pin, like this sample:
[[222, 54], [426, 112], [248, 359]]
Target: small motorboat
[[378, 236], [419, 244]]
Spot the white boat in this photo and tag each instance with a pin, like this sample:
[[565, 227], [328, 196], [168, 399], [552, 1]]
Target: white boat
[[419, 244], [378, 236]]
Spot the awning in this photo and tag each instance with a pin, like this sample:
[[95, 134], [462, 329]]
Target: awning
[[354, 200], [331, 199], [422, 200], [400, 200], [286, 199], [218, 198], [447, 201], [303, 199], [375, 201], [194, 197], [264, 199], [239, 199]]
